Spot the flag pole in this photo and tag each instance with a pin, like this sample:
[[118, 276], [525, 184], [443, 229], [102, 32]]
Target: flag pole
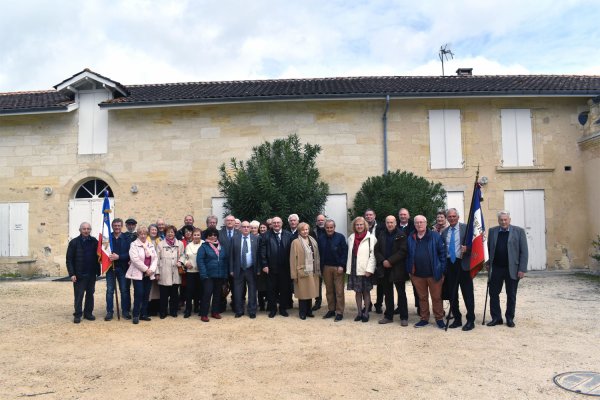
[[112, 265], [469, 222]]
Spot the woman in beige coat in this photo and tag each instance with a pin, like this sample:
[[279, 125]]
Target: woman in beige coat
[[169, 253], [305, 269]]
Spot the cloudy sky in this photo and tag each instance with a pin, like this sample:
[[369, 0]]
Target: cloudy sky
[[140, 41]]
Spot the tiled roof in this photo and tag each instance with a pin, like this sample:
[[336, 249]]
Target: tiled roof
[[324, 88]]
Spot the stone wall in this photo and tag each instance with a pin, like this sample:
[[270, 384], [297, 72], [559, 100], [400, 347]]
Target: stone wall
[[173, 155]]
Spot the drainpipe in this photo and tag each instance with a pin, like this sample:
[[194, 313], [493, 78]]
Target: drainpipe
[[385, 151]]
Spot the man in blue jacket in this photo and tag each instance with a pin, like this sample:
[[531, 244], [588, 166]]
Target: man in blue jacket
[[116, 273], [426, 264], [334, 253]]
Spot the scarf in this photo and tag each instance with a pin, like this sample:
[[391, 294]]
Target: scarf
[[170, 242], [310, 263], [358, 237], [215, 248]]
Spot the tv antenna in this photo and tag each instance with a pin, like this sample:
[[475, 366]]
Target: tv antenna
[[443, 53]]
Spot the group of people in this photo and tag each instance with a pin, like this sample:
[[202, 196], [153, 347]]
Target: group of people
[[264, 265]]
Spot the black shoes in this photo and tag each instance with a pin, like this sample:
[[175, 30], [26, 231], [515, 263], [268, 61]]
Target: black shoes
[[317, 305], [252, 316], [187, 314], [358, 318], [378, 309], [338, 318], [495, 321], [365, 318], [76, 320], [136, 320], [89, 317], [272, 314], [510, 323], [163, 316], [145, 318], [468, 326], [456, 324], [127, 316], [284, 313], [303, 317], [238, 315], [330, 314], [109, 316]]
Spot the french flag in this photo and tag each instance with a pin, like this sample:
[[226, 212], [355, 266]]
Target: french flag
[[105, 238], [476, 238]]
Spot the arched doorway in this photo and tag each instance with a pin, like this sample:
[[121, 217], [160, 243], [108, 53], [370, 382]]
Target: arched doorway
[[86, 205]]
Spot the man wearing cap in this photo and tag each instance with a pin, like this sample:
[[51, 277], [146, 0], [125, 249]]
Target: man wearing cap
[[131, 225]]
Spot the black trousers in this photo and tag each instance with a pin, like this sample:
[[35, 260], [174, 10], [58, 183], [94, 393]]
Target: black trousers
[[455, 272], [380, 293], [246, 281], [279, 291], [212, 288], [84, 287], [192, 290], [388, 291], [500, 276], [169, 296], [305, 307]]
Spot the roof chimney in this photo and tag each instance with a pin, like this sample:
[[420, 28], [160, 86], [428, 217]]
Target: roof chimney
[[464, 72]]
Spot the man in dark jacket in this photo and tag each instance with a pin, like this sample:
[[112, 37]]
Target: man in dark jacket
[[333, 250], [390, 254], [243, 267], [83, 267], [317, 231], [275, 262], [426, 264], [406, 225], [116, 274]]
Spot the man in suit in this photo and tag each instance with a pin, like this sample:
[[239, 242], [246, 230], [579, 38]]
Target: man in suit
[[243, 267], [83, 267], [507, 246], [458, 265], [226, 235], [317, 231], [275, 262], [293, 221]]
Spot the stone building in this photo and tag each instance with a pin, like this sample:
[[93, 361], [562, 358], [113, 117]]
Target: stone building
[[157, 147]]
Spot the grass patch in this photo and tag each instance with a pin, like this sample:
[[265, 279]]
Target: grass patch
[[588, 277]]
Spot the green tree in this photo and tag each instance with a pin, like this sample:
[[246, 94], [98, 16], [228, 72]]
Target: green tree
[[280, 178], [387, 193]]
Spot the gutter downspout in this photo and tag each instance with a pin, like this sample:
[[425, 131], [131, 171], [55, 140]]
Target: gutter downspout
[[385, 150]]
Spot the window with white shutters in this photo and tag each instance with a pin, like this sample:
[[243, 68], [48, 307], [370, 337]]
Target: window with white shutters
[[93, 122], [517, 138], [14, 229], [445, 143]]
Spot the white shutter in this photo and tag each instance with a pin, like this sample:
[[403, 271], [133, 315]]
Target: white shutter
[[87, 210], [453, 139], [86, 123], [4, 230], [524, 137], [93, 123], [517, 141], [19, 229], [100, 139], [445, 144], [457, 200], [336, 209], [437, 146]]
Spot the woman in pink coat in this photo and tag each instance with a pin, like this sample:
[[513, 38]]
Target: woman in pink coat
[[143, 258]]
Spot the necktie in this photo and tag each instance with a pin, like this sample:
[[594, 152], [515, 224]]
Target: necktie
[[244, 252], [230, 233], [451, 247]]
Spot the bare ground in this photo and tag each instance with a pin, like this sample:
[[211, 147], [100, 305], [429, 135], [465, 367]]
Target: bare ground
[[44, 355]]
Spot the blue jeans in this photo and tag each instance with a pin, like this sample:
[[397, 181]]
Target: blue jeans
[[141, 296], [110, 291]]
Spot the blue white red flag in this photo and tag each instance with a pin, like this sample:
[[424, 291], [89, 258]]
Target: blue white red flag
[[105, 237], [476, 238]]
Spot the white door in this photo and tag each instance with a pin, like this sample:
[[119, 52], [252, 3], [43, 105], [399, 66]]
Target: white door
[[87, 210], [336, 209], [456, 200], [526, 209], [14, 229], [218, 209]]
